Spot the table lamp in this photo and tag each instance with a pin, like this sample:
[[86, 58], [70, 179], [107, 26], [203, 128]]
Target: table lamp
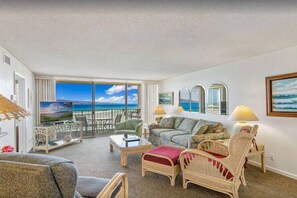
[[10, 110], [180, 109], [242, 114], [159, 111]]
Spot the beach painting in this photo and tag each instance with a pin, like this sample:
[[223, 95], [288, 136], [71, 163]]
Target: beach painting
[[166, 98], [55, 111], [283, 96]]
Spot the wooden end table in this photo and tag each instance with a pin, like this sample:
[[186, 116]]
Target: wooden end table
[[128, 148]]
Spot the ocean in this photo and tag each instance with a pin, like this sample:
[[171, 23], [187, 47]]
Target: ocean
[[284, 102], [88, 107]]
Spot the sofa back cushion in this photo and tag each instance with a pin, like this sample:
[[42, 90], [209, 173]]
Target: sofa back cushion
[[177, 122], [214, 127], [167, 123], [200, 127], [187, 125]]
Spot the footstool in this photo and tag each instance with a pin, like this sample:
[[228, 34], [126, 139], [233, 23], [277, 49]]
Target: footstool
[[163, 160]]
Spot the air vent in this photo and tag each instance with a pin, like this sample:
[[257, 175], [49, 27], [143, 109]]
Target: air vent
[[6, 59]]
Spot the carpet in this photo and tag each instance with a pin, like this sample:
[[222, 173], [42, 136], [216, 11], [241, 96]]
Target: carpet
[[93, 158]]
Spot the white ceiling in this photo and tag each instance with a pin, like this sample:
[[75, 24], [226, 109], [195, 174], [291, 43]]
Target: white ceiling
[[143, 41]]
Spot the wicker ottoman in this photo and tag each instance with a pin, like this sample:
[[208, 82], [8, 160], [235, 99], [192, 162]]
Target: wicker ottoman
[[163, 160]]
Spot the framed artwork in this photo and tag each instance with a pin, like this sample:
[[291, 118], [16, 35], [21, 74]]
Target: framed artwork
[[281, 95], [166, 98]]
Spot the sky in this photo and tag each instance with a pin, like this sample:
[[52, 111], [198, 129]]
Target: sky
[[105, 93]]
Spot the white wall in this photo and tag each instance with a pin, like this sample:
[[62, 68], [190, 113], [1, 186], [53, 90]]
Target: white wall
[[7, 89], [245, 80]]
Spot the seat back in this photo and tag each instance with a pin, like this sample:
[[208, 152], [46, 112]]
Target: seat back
[[118, 118], [239, 147], [82, 119], [34, 175]]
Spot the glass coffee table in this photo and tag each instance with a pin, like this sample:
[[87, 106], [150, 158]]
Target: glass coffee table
[[129, 146]]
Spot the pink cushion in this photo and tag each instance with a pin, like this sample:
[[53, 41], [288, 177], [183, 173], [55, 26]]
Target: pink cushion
[[166, 151]]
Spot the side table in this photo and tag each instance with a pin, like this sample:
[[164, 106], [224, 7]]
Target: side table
[[253, 152]]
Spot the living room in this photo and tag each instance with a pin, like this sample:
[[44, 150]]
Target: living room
[[163, 48]]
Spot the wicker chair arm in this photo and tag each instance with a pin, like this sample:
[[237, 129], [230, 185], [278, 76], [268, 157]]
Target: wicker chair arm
[[205, 157], [113, 184], [213, 147]]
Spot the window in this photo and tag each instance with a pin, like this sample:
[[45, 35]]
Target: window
[[198, 99], [217, 99], [184, 99]]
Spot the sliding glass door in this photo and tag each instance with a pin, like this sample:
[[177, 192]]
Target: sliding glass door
[[100, 104]]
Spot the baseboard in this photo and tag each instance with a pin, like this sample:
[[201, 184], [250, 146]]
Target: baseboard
[[275, 170]]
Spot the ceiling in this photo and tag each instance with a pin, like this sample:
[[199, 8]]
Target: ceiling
[[142, 41]]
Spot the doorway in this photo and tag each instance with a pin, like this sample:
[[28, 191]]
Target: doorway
[[20, 124]]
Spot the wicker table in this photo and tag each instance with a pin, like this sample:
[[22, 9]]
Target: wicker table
[[128, 148]]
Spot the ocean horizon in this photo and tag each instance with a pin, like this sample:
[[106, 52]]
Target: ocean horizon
[[88, 107]]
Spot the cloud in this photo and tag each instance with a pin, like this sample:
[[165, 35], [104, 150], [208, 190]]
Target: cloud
[[119, 88], [133, 99]]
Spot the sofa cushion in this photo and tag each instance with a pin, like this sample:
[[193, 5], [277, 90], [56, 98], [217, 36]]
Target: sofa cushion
[[157, 132], [182, 140], [169, 134], [200, 127], [166, 151], [177, 122], [167, 123], [214, 127], [187, 125]]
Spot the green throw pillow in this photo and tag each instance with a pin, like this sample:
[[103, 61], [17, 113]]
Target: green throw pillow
[[167, 123]]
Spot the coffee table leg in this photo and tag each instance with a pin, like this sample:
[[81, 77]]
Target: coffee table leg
[[123, 159], [111, 147]]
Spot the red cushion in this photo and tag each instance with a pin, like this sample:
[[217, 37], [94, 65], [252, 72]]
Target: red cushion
[[166, 151], [218, 164]]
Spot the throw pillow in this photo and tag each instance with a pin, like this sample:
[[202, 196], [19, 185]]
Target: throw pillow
[[167, 123], [215, 127], [178, 121], [200, 128], [187, 125]]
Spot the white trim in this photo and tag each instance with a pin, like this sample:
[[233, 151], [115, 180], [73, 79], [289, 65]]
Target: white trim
[[275, 170]]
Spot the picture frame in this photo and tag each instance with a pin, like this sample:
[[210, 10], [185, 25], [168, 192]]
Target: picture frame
[[166, 98], [281, 95]]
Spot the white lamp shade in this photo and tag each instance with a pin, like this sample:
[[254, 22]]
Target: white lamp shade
[[243, 113]]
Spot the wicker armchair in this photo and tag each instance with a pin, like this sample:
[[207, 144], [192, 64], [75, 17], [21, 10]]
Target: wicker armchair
[[218, 167]]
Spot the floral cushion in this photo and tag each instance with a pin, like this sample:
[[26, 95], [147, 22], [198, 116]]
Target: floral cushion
[[182, 140], [187, 125], [178, 121], [200, 127], [167, 123], [214, 127]]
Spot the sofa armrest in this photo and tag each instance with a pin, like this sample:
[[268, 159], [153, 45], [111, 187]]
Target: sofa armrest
[[138, 129], [118, 179], [120, 126]]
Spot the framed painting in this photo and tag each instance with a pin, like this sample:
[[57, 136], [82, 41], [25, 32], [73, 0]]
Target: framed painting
[[166, 98], [281, 95]]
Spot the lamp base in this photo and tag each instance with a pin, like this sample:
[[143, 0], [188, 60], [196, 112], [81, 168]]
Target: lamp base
[[237, 127]]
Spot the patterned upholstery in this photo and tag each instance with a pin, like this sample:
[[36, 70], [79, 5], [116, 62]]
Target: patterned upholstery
[[200, 127], [189, 134], [129, 126], [177, 121], [167, 123], [187, 125]]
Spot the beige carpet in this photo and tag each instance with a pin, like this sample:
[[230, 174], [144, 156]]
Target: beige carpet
[[93, 158]]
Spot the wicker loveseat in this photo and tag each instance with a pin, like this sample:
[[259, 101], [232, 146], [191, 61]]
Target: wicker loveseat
[[185, 132]]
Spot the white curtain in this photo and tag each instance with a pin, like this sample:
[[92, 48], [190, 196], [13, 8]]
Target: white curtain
[[149, 101], [45, 91]]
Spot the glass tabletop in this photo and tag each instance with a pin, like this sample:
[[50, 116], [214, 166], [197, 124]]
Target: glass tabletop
[[135, 141]]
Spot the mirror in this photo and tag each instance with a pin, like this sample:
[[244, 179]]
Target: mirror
[[198, 99], [184, 99], [217, 99]]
